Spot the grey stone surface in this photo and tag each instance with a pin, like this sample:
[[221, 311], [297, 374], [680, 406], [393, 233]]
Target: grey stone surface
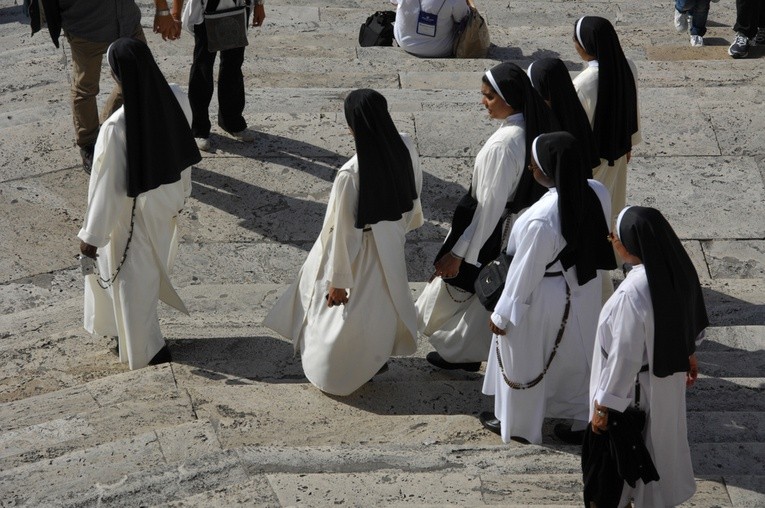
[[233, 421], [702, 197], [254, 492], [743, 259], [746, 490]]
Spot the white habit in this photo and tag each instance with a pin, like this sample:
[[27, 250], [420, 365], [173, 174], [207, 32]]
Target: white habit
[[128, 308], [613, 177], [342, 347], [623, 345], [530, 310], [454, 321]]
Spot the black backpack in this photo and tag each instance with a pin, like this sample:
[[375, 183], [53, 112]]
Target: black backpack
[[378, 29]]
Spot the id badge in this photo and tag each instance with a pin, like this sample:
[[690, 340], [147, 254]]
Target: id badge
[[426, 24]]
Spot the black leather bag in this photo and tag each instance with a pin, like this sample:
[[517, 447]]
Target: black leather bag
[[377, 30], [491, 281]]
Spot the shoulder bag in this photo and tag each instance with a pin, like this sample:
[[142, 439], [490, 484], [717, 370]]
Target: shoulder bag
[[226, 28], [472, 37]]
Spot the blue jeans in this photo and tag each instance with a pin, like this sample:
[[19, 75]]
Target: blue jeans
[[699, 10]]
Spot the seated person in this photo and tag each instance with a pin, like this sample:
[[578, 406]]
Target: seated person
[[426, 27]]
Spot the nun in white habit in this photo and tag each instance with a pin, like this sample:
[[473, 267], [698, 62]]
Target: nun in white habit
[[544, 322], [449, 314], [350, 308], [648, 330], [607, 89], [139, 183]]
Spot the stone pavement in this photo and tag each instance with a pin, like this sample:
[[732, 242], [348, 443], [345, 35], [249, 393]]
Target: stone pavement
[[232, 420]]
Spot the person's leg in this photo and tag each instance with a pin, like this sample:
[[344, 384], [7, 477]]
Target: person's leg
[[759, 39], [201, 83], [86, 73], [747, 12], [114, 101], [681, 15], [231, 91], [699, 13], [747, 16]]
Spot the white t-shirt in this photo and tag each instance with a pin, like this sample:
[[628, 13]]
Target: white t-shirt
[[405, 30]]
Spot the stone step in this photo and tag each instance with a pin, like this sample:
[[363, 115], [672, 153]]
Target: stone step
[[144, 469], [113, 422]]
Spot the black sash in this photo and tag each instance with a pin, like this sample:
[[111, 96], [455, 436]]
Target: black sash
[[463, 216]]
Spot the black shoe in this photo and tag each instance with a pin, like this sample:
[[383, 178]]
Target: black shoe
[[86, 152], [115, 349], [435, 359], [563, 432], [490, 422], [759, 39], [162, 356], [740, 46]]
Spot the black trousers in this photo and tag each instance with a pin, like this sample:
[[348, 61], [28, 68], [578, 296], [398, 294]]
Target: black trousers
[[230, 87], [750, 15]]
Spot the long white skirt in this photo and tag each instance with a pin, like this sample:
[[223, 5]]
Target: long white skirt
[[564, 390], [454, 321], [666, 437], [341, 347]]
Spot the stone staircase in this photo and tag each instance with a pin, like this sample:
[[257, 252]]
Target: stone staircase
[[232, 420]]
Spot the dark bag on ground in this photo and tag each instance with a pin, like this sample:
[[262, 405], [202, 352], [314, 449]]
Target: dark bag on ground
[[378, 29], [226, 28]]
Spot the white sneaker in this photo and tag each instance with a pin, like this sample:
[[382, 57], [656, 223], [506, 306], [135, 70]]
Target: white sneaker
[[681, 21], [245, 136], [697, 41], [204, 144]]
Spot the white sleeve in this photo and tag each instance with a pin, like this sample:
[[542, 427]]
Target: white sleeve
[[627, 333], [586, 86], [536, 248], [494, 183], [107, 191], [346, 237]]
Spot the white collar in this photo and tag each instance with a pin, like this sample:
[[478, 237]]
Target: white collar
[[514, 119], [593, 63]]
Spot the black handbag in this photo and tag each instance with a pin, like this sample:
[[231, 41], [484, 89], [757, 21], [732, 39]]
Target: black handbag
[[491, 279], [492, 247], [377, 30]]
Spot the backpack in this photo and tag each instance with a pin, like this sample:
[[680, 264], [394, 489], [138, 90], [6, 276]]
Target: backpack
[[378, 29]]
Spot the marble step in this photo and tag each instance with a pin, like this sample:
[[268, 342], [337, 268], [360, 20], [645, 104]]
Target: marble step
[[184, 463], [151, 467]]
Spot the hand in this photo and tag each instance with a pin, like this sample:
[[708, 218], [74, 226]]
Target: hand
[[693, 371], [168, 26], [495, 329], [258, 15], [448, 266], [337, 296], [600, 419], [629, 156], [88, 250]]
